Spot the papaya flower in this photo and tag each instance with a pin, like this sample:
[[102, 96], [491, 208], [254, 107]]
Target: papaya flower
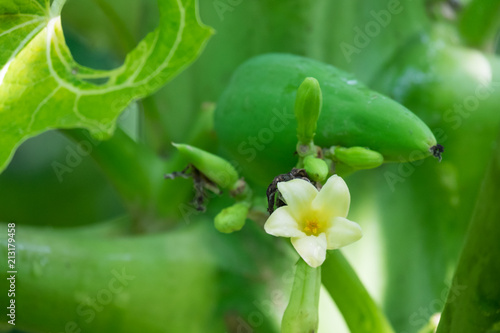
[[314, 220]]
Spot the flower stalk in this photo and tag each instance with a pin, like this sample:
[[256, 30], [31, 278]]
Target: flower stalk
[[301, 314], [361, 313]]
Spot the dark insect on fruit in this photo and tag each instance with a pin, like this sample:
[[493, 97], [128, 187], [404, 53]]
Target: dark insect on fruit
[[436, 151], [273, 187], [200, 183]]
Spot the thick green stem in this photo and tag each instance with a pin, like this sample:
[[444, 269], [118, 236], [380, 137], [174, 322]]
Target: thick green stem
[[358, 308], [152, 130], [479, 23], [138, 174], [473, 303], [301, 314], [134, 171]]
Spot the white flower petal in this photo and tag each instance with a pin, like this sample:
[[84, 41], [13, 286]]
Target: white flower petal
[[298, 195], [333, 199], [342, 232], [282, 223], [311, 248]]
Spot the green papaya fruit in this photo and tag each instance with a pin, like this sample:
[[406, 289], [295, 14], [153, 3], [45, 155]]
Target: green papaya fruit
[[455, 90], [255, 122]]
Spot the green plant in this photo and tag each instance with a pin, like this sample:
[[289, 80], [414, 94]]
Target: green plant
[[92, 96], [261, 96]]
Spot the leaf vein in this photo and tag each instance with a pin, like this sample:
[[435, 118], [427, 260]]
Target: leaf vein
[[126, 84], [38, 108], [19, 26], [144, 59], [39, 5], [177, 41]]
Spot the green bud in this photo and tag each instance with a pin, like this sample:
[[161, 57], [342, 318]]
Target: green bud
[[301, 314], [232, 218], [358, 157], [215, 168], [307, 109], [316, 168]]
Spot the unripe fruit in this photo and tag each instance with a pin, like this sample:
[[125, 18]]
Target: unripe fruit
[[215, 168], [256, 125], [358, 157], [232, 218], [316, 168]]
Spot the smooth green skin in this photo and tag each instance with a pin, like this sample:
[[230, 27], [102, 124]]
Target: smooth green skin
[[474, 303], [255, 121], [215, 168], [187, 280], [358, 157], [316, 168], [312, 29]]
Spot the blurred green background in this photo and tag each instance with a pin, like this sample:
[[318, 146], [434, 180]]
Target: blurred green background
[[414, 216]]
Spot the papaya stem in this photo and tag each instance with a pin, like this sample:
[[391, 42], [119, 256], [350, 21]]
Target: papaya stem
[[153, 131], [132, 168], [474, 297], [361, 313], [301, 314]]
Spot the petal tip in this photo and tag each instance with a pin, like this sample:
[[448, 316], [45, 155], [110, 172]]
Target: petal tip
[[311, 248]]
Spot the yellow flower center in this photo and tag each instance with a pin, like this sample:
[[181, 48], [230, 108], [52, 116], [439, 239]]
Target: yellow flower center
[[312, 227]]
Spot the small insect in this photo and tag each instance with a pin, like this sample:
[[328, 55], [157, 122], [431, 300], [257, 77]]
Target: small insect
[[436, 151], [273, 187], [200, 183]]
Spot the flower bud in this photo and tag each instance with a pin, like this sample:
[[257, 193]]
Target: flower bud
[[316, 168], [307, 109], [215, 168], [358, 157], [232, 218]]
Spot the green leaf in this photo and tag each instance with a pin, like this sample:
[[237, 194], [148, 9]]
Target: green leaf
[[42, 87]]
